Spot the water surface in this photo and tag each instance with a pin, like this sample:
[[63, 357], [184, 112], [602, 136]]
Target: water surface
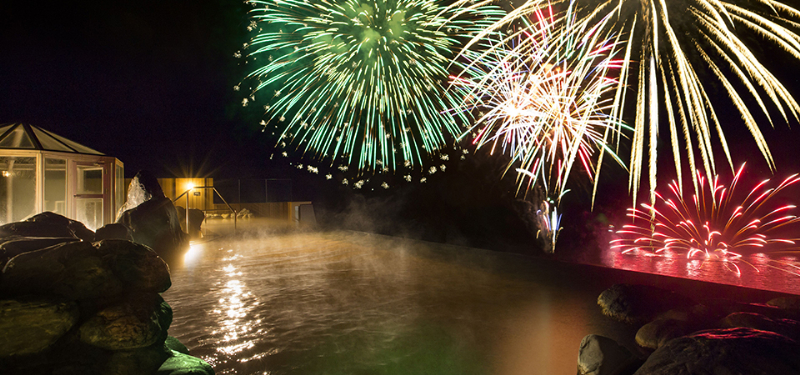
[[293, 302], [353, 303]]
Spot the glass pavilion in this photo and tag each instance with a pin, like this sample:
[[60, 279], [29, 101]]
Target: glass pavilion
[[42, 171]]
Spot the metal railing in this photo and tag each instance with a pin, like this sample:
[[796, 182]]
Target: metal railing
[[186, 193]]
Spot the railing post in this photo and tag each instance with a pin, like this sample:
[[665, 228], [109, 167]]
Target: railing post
[[187, 214]]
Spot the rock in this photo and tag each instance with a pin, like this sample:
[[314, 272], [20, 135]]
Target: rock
[[71, 356], [71, 270], [638, 304], [80, 230], [675, 323], [31, 326], [137, 322], [155, 224], [175, 344], [113, 231], [725, 351], [139, 361], [697, 312], [70, 369], [655, 334], [12, 248], [196, 218], [603, 356], [138, 267], [786, 327], [34, 229], [722, 307], [81, 270], [182, 364], [143, 187], [244, 213], [786, 303]]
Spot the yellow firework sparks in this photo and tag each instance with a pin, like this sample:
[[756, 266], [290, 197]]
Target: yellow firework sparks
[[676, 44]]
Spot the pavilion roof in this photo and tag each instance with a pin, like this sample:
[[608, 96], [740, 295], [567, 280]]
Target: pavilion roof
[[29, 137]]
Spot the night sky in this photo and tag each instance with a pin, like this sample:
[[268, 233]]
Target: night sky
[[151, 82]]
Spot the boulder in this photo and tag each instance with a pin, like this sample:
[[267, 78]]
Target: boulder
[[138, 361], [113, 231], [601, 355], [720, 308], [656, 333], [19, 245], [675, 323], [72, 270], [196, 218], [183, 364], [175, 344], [786, 327], [81, 270], [143, 187], [76, 227], [36, 229], [31, 326], [786, 303], [725, 351], [137, 322], [155, 224], [137, 266], [639, 304], [72, 356], [699, 315]]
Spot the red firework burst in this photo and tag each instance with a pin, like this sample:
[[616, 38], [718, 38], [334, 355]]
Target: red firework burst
[[712, 225]]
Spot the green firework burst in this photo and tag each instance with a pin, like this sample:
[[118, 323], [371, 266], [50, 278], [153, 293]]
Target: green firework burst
[[362, 82]]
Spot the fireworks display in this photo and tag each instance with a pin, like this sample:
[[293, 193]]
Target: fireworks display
[[543, 96], [682, 48], [549, 223], [361, 82], [717, 223]]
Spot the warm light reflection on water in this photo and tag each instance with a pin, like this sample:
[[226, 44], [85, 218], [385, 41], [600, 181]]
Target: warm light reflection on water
[[349, 303], [192, 256]]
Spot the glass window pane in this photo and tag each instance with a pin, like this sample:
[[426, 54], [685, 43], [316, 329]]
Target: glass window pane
[[77, 146], [55, 186], [5, 128], [17, 188], [89, 211], [50, 143], [18, 138], [90, 180]]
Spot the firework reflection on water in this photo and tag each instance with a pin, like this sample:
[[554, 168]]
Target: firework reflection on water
[[720, 224]]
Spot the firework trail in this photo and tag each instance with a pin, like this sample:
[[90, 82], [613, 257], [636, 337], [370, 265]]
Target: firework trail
[[543, 95], [712, 224], [361, 82], [677, 45], [549, 223]]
